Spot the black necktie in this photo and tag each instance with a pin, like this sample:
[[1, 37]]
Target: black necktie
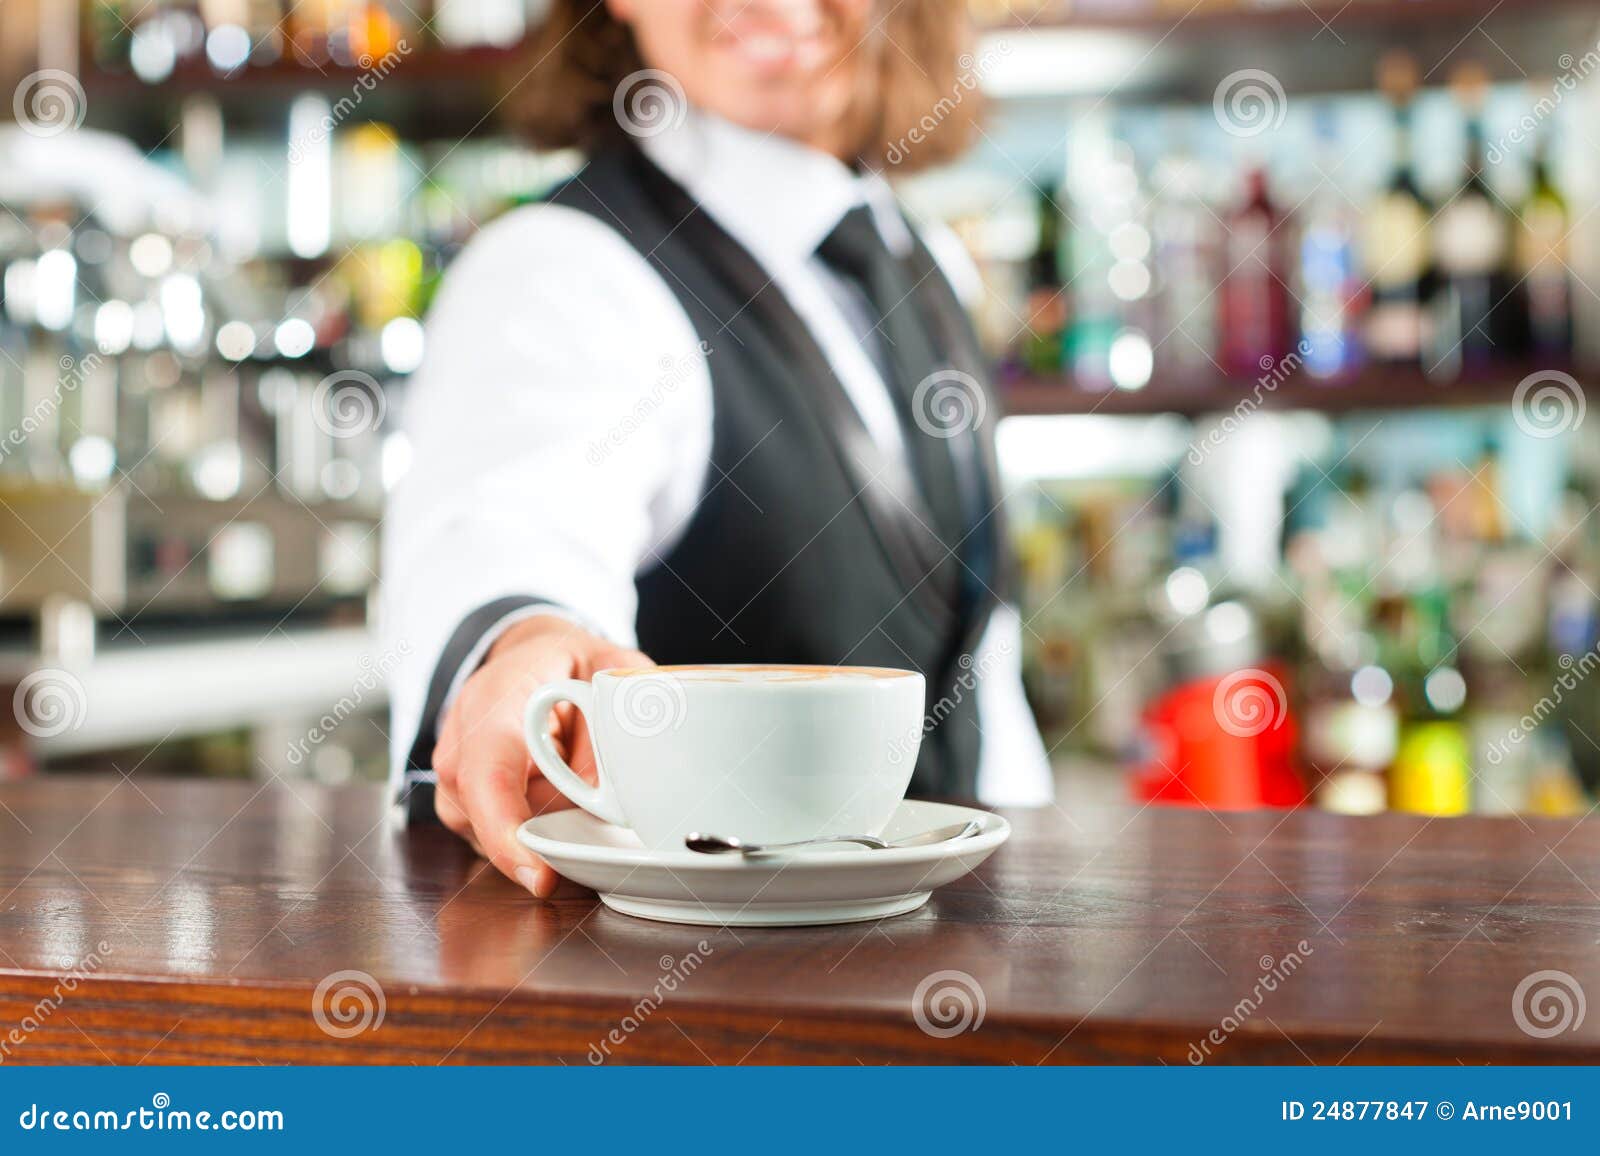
[[856, 251], [917, 372]]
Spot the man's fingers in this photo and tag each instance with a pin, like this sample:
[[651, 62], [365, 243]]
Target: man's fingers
[[454, 818], [493, 792], [488, 785], [450, 814], [572, 730], [543, 798], [446, 748]]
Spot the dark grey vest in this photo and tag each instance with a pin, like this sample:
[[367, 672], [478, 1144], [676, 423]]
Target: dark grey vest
[[808, 545]]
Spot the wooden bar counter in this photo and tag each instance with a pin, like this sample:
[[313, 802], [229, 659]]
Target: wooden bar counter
[[196, 922]]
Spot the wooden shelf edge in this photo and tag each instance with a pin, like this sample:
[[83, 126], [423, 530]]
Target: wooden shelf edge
[[422, 66], [1312, 16], [1373, 389]]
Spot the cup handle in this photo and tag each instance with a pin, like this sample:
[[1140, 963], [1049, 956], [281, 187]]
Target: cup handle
[[600, 801]]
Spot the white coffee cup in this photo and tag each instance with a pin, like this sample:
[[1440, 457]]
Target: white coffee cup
[[765, 753]]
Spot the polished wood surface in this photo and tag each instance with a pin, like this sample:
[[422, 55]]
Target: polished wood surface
[[194, 922]]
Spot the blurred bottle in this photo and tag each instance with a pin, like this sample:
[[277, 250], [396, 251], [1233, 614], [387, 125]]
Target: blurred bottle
[[266, 28], [1109, 271], [497, 23], [312, 24], [1487, 509], [228, 33], [216, 14], [110, 31], [372, 29], [1553, 788], [1396, 246], [1254, 295], [1541, 262], [1184, 230], [1471, 242], [162, 37], [1432, 767], [1330, 290], [1047, 296], [1352, 735]]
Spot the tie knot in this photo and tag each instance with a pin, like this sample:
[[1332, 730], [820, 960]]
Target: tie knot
[[855, 246]]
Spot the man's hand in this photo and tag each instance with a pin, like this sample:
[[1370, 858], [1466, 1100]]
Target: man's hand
[[488, 783]]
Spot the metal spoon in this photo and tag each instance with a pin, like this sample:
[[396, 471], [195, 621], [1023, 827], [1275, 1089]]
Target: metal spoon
[[723, 844]]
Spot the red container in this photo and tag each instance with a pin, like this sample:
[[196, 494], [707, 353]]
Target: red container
[[1226, 743]]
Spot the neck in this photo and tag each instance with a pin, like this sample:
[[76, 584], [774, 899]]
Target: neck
[[840, 137]]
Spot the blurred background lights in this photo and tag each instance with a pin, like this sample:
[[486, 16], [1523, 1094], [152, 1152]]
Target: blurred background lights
[[183, 308], [236, 340], [295, 337], [1187, 590], [1371, 686], [55, 289], [150, 255], [92, 460], [1227, 622], [113, 327], [1445, 689], [227, 47], [401, 344], [1131, 360]]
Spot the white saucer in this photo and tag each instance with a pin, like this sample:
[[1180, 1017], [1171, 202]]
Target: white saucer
[[825, 885]]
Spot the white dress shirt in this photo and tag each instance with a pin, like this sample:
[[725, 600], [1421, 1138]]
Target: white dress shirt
[[561, 420]]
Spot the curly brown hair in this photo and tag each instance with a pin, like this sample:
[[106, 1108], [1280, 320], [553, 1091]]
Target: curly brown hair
[[917, 101]]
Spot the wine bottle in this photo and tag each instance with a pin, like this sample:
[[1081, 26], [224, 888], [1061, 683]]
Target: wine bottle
[[1541, 258], [1185, 233], [1047, 298], [1254, 294], [1471, 239], [1396, 248], [110, 32], [1329, 290]]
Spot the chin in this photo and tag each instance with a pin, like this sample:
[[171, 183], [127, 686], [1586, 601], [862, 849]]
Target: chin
[[794, 110], [784, 120]]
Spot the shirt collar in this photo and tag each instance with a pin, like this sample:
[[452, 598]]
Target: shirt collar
[[776, 197]]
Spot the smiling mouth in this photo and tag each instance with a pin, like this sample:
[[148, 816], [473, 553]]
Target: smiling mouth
[[769, 42]]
